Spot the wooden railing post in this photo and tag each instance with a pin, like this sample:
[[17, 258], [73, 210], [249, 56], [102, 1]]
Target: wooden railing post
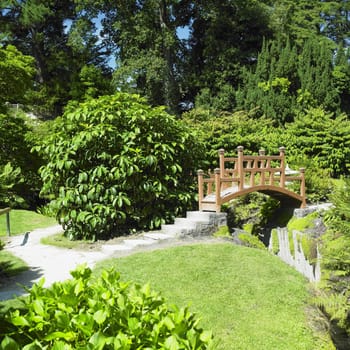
[[222, 162], [217, 190], [240, 168], [200, 174], [283, 167], [302, 187], [262, 166]]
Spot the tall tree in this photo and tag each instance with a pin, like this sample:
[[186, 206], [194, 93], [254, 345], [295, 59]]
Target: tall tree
[[149, 50], [225, 36], [61, 38], [297, 19]]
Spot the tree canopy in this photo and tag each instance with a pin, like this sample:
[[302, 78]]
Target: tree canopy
[[73, 43]]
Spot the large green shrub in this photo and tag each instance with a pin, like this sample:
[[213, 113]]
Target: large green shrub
[[228, 130], [115, 164], [99, 313], [322, 137]]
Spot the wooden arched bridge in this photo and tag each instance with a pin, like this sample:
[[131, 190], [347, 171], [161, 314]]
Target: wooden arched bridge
[[238, 176]]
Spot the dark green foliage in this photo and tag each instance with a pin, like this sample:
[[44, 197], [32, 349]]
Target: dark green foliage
[[287, 80], [341, 76], [99, 313], [270, 87], [15, 152], [225, 36], [115, 164]]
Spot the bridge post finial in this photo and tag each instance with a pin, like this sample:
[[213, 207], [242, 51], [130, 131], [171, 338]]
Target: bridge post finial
[[261, 152]]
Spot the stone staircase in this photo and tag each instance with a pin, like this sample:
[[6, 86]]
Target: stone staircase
[[195, 224]]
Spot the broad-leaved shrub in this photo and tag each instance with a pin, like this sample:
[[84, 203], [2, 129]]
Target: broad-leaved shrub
[[116, 164], [100, 313]]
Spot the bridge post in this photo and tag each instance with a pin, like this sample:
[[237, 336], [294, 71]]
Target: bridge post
[[222, 162], [217, 190], [200, 174], [283, 167], [302, 187], [262, 166], [240, 168]]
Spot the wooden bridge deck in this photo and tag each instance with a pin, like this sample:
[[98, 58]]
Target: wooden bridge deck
[[266, 174]]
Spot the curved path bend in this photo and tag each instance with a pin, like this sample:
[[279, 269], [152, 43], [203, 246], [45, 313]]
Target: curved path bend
[[55, 264]]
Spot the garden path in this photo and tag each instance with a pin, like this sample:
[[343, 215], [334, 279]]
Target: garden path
[[54, 263]]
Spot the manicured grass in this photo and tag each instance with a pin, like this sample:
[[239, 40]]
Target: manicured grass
[[24, 220], [249, 298], [59, 240]]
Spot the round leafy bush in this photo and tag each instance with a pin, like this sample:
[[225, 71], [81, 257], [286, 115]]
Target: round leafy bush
[[100, 313], [116, 164]]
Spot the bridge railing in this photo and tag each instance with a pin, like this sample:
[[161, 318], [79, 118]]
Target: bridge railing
[[246, 171]]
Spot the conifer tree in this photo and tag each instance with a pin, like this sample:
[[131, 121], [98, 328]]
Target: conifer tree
[[285, 81]]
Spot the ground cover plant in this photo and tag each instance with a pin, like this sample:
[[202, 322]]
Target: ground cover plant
[[249, 298], [99, 313]]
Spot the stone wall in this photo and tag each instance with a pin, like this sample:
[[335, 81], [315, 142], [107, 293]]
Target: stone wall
[[311, 270]]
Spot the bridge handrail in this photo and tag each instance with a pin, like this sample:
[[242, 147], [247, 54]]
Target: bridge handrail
[[252, 170]]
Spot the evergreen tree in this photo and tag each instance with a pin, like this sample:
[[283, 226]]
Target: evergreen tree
[[341, 75], [285, 82], [270, 87], [315, 67]]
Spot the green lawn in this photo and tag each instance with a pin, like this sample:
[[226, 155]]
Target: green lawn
[[249, 298], [24, 220]]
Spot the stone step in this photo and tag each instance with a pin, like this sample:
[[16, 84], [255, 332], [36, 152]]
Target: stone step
[[190, 223], [174, 230], [158, 236], [199, 215]]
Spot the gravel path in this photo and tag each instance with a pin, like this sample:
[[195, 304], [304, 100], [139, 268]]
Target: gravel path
[[55, 264]]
